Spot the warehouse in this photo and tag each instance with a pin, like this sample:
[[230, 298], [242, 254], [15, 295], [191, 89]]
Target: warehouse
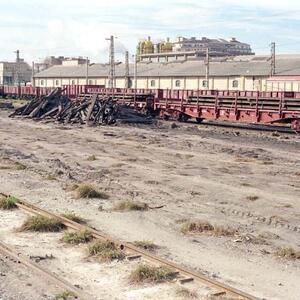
[[238, 73]]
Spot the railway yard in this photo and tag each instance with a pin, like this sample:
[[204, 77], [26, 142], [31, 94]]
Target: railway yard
[[219, 205]]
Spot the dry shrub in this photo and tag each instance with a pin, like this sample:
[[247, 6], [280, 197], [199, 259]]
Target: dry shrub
[[77, 237], [8, 203], [186, 293], [206, 227], [130, 205], [145, 273], [105, 251], [73, 217], [148, 245], [42, 224], [288, 253], [88, 191]]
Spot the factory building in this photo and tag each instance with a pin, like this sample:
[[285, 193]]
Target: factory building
[[237, 73], [190, 49], [13, 73]]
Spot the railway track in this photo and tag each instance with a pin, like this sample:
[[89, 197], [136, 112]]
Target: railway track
[[252, 127], [133, 252], [18, 257]]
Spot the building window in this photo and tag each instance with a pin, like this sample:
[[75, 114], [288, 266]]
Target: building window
[[73, 82], [235, 84], [152, 83], [56, 82], [204, 83], [90, 82], [42, 82], [129, 83], [177, 83]]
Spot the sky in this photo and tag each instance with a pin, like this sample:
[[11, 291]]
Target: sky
[[40, 28]]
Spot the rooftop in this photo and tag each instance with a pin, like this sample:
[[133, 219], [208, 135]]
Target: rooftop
[[258, 65]]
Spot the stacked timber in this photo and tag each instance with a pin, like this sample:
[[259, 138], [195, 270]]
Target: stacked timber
[[91, 110]]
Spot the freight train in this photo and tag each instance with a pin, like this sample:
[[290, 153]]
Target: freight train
[[226, 105]]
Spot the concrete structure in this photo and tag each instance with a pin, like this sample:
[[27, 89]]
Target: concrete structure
[[190, 49], [237, 73], [12, 73], [51, 61]]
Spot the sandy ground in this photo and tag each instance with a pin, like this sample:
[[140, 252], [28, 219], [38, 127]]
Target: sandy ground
[[196, 172]]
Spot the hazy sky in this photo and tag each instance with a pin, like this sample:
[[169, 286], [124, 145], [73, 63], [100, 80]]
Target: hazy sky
[[79, 27]]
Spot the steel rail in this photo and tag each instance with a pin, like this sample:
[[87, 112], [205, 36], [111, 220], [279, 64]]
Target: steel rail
[[16, 255], [231, 291]]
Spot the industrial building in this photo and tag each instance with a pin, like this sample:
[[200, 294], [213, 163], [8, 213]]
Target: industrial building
[[237, 73], [14, 73], [190, 49]]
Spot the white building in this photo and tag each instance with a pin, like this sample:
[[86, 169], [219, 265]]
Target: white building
[[237, 73]]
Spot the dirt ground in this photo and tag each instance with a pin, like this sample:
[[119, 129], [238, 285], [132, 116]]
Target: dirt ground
[[246, 180]]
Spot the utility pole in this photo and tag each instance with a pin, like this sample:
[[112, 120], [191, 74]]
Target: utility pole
[[207, 69], [32, 80], [111, 76], [126, 69], [87, 71], [135, 70], [273, 59], [18, 67]]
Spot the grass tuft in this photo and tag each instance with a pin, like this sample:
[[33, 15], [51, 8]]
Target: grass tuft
[[20, 166], [73, 217], [8, 203], [288, 253], [42, 224], [50, 177], [106, 251], [186, 293], [130, 205], [88, 191], [148, 245], [77, 237], [65, 295], [195, 227], [92, 158], [145, 273]]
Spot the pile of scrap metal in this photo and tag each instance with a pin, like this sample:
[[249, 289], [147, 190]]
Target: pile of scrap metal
[[95, 110]]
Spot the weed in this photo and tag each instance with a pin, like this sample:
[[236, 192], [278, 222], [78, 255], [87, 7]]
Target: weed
[[65, 295], [105, 251], [92, 158], [186, 293], [148, 245], [252, 198], [42, 224], [73, 217], [288, 253], [130, 205], [78, 237], [88, 191], [7, 203], [146, 273]]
